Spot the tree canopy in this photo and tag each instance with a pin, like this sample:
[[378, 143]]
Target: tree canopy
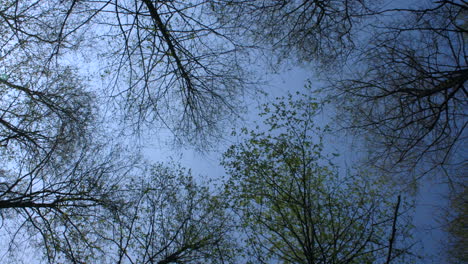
[[78, 76], [293, 203], [409, 92]]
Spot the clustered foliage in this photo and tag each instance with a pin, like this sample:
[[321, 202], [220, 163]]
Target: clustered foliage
[[294, 205], [69, 188]]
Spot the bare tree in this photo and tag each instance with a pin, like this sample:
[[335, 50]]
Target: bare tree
[[180, 67], [166, 63], [304, 30], [407, 89]]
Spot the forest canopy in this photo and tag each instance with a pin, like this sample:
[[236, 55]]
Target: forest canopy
[[82, 80]]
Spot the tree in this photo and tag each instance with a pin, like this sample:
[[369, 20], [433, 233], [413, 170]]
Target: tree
[[165, 60], [49, 206], [456, 222], [408, 93], [102, 213], [52, 172], [165, 63], [55, 171], [181, 68], [304, 30], [167, 218], [43, 114], [398, 74], [295, 206], [175, 64], [48, 173]]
